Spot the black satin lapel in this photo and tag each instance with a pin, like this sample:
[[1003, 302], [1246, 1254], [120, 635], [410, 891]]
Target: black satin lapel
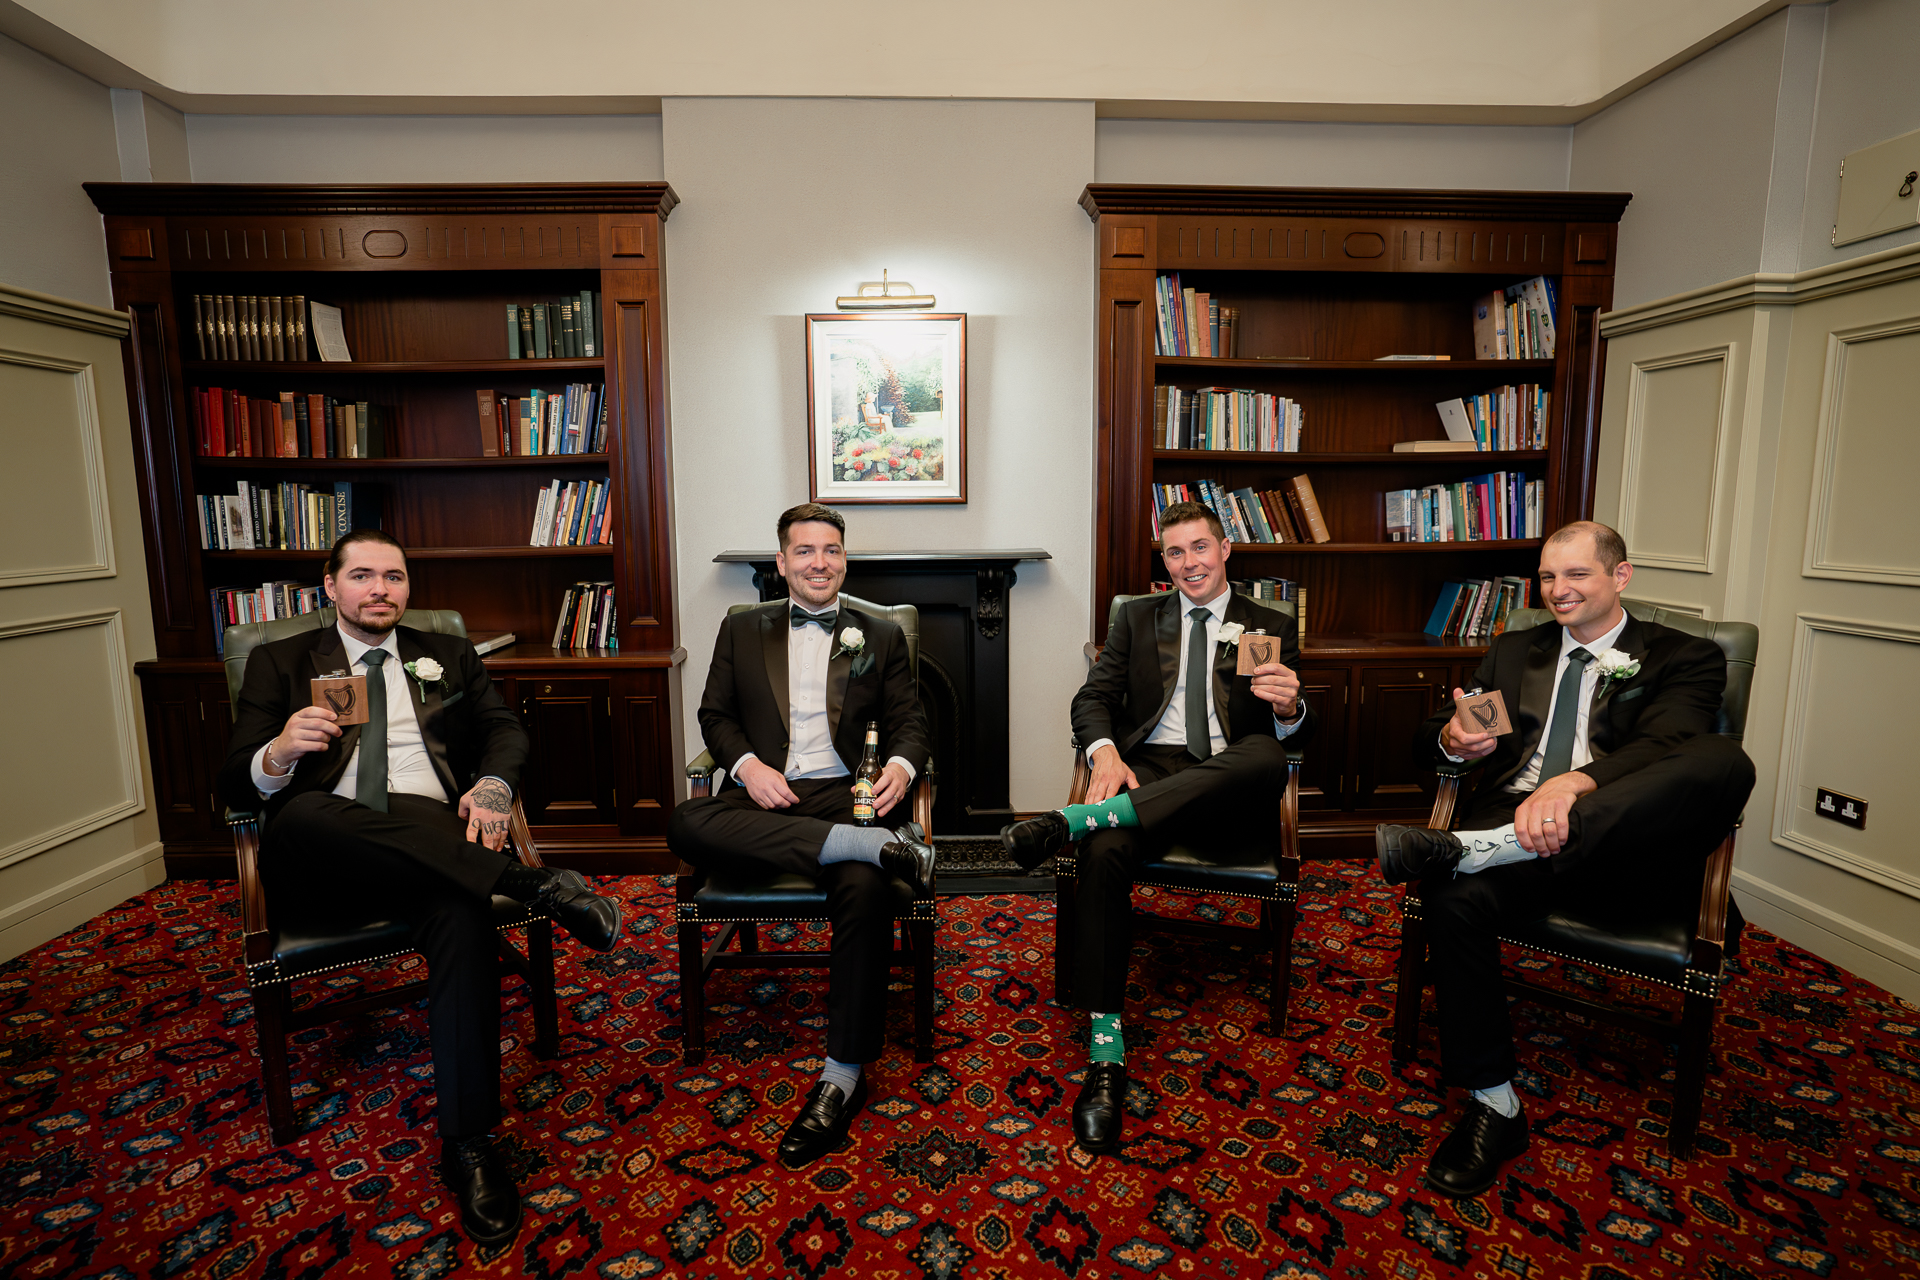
[[1632, 641], [329, 657], [1536, 689], [840, 670], [427, 713], [1226, 664], [773, 646], [1166, 638], [329, 654]]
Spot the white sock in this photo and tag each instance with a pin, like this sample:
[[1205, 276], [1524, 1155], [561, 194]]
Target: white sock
[[848, 843], [1501, 1098], [1493, 848]]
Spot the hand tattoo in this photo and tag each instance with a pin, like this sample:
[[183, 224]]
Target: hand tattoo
[[491, 793]]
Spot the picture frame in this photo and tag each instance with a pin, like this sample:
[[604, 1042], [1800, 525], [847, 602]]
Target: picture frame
[[887, 408]]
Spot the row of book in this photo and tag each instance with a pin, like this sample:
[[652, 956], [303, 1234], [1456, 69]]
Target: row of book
[[1226, 418], [543, 422], [1477, 608], [1264, 591], [1501, 504], [1290, 513], [565, 330], [1503, 418], [1516, 323], [286, 517], [249, 327], [298, 424], [573, 514], [587, 618], [1192, 322], [284, 598]]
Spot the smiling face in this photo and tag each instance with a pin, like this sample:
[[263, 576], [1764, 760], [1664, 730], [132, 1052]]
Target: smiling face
[[1576, 586], [1196, 558], [813, 562], [370, 591]]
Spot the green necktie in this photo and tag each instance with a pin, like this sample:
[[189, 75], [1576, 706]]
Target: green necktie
[[1199, 685], [370, 787], [1566, 714]]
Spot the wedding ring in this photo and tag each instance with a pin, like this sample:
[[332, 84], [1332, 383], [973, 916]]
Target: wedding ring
[[1548, 822]]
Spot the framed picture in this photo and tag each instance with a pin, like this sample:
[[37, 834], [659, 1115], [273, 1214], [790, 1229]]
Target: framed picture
[[887, 407]]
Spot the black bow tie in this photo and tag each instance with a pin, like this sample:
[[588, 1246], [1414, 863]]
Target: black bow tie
[[801, 618]]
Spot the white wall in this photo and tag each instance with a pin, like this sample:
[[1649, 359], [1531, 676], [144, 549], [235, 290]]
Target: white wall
[[59, 133], [424, 148], [786, 205], [1305, 154], [1866, 96]]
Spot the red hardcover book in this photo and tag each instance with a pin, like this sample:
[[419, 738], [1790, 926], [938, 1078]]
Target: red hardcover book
[[319, 430], [289, 438]]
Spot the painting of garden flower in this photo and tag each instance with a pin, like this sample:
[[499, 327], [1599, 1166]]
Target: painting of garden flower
[[888, 407]]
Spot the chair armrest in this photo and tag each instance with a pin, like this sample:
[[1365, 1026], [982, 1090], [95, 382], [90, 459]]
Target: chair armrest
[[1082, 776], [1715, 884], [246, 852], [700, 774], [922, 799], [1447, 798], [522, 835]]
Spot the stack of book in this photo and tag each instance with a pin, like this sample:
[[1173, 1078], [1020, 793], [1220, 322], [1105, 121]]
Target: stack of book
[[1290, 513], [248, 327], [1516, 323], [286, 517], [565, 330], [587, 618], [1499, 505], [543, 422], [1265, 591], [232, 424], [282, 599], [1504, 418], [1225, 418], [1477, 608], [572, 514], [1193, 323]]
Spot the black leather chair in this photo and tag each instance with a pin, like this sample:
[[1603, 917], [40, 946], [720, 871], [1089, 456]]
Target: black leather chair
[[1268, 874], [1681, 950], [741, 906], [283, 943]]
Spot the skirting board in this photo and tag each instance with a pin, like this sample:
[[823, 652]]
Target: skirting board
[[45, 916], [1875, 956]]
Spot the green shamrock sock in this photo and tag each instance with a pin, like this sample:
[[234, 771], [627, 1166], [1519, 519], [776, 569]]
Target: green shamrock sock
[[1085, 819], [1106, 1041]]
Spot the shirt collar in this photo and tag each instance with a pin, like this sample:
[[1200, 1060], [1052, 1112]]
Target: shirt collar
[[832, 608], [1568, 644], [1216, 606], [355, 648]]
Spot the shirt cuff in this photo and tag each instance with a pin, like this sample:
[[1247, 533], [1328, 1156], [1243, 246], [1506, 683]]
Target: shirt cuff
[[912, 772], [1099, 743], [1287, 728], [263, 782], [1448, 754]]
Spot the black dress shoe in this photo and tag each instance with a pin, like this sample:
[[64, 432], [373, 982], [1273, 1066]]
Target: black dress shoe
[[1470, 1157], [822, 1123], [911, 858], [592, 918], [1408, 853], [478, 1177], [1097, 1111], [1032, 842]]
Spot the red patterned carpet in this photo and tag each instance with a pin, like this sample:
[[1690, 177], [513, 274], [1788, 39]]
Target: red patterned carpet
[[135, 1138]]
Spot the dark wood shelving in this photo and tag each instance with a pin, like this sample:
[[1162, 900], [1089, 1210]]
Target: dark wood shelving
[[398, 464], [1391, 368], [305, 368], [429, 553], [1495, 457]]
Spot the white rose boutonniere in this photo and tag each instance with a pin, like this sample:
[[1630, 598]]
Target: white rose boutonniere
[[852, 640], [1614, 666], [426, 671], [1230, 632]]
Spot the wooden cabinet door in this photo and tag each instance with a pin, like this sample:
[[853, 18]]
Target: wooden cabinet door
[[569, 776], [1323, 775], [1393, 703]]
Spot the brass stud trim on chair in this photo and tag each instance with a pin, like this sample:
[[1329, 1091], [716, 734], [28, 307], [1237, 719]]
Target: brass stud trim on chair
[[272, 977], [1613, 969], [1280, 896]]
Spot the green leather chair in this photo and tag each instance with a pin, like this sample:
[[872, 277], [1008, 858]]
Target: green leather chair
[[1682, 950], [282, 943], [1268, 875], [741, 906]]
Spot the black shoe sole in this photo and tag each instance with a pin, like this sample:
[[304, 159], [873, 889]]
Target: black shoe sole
[[1106, 1148], [494, 1242], [1014, 852]]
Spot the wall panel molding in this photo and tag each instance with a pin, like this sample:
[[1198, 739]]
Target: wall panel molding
[[1638, 449], [1766, 288], [96, 560], [1822, 559], [45, 308]]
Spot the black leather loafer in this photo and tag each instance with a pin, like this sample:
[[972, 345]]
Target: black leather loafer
[[478, 1177], [1032, 842], [911, 858], [1470, 1157], [1409, 853], [1097, 1111], [592, 918], [822, 1123]]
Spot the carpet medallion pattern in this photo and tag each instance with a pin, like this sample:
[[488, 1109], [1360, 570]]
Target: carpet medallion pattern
[[133, 1138]]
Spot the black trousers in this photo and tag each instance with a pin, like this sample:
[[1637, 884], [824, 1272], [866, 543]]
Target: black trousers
[[1643, 839], [1232, 798], [333, 857], [730, 835]]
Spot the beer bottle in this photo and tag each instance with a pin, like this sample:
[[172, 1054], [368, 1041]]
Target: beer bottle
[[867, 777]]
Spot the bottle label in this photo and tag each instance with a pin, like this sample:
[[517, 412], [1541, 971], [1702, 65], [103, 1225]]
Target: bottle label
[[863, 802]]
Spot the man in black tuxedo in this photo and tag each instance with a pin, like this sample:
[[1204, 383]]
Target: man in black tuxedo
[[791, 690], [1611, 787], [406, 816], [1176, 741]]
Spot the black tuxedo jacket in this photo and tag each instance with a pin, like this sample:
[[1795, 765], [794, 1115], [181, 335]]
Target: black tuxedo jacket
[[1129, 688], [469, 730], [1675, 696], [747, 707]]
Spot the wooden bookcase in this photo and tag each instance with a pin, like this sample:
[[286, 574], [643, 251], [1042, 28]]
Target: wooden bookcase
[[1327, 281], [423, 275]]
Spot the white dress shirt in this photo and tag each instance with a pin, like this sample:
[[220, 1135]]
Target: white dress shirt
[[409, 767], [1172, 729], [810, 752]]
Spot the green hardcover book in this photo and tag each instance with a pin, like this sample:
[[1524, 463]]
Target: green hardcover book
[[556, 339], [513, 331], [526, 332], [540, 349], [589, 331], [362, 432]]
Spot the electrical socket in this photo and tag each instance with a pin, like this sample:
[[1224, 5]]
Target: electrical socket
[[1847, 810]]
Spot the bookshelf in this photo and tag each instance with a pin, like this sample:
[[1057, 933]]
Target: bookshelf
[[423, 276], [1325, 282]]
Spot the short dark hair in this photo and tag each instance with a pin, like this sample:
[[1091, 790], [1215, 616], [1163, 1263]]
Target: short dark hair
[[1607, 544], [1183, 512], [338, 560], [806, 512]]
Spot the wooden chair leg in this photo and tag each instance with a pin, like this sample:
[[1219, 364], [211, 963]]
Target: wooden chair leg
[[1280, 921], [270, 1006], [1065, 929], [1413, 972], [693, 994], [1690, 1082], [546, 1016], [921, 935]]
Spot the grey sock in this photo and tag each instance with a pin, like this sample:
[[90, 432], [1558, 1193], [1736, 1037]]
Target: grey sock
[[1501, 1098], [848, 843], [844, 1074]]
